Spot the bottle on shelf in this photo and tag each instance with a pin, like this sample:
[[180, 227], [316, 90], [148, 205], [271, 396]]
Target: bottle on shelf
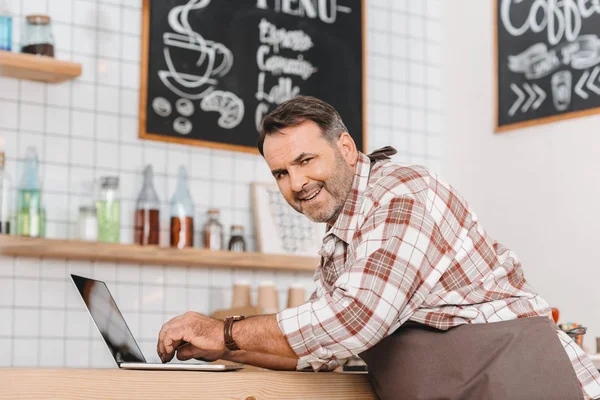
[[182, 213], [5, 199], [147, 212], [213, 231], [5, 26], [31, 216], [108, 210], [88, 223], [237, 242]]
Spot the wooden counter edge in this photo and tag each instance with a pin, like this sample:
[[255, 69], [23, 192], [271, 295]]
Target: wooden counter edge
[[248, 384]]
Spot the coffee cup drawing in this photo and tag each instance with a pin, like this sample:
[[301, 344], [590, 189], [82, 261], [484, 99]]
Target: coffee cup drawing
[[196, 79]]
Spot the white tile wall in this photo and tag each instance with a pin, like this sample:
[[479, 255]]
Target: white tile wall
[[86, 128]]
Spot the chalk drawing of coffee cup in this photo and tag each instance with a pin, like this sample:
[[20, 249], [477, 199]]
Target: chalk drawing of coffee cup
[[562, 85], [199, 61]]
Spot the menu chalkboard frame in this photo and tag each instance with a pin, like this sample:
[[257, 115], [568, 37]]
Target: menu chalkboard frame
[[142, 120], [529, 123]]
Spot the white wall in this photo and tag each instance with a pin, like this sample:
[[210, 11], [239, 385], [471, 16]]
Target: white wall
[[536, 190], [88, 128]]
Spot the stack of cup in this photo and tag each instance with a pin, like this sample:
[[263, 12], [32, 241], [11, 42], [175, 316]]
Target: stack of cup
[[295, 295], [241, 294], [267, 297]]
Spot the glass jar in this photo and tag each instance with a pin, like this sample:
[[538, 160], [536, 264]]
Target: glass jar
[[108, 209], [237, 242], [88, 223], [213, 231], [37, 36]]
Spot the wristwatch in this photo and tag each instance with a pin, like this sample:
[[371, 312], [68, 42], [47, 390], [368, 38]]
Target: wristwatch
[[228, 328]]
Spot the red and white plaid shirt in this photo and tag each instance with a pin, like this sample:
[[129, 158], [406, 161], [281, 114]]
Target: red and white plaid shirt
[[407, 247]]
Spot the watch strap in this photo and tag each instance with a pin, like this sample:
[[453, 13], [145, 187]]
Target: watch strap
[[228, 332]]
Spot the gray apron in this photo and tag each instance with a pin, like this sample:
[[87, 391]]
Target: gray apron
[[511, 360]]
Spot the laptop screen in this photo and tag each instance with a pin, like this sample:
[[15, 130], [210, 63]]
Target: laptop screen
[[108, 319]]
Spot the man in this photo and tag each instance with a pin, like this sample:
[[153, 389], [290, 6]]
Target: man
[[408, 279]]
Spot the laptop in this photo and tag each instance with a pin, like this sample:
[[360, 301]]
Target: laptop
[[117, 336]]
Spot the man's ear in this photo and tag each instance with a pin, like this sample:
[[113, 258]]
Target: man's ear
[[348, 149]]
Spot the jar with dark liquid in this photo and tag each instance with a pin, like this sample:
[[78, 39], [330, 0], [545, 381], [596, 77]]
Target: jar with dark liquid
[[147, 215], [182, 213], [37, 36], [237, 242]]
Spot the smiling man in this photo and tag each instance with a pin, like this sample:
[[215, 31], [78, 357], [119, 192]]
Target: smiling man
[[409, 280]]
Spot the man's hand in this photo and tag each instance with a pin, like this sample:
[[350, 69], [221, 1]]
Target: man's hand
[[205, 334], [187, 352]]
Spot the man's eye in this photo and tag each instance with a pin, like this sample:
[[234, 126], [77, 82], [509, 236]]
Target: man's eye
[[305, 161], [280, 175]]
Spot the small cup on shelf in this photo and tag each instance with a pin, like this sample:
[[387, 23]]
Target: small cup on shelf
[[241, 294], [267, 297], [296, 295]]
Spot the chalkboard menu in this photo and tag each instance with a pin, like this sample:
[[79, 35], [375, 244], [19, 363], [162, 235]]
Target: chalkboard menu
[[211, 69], [548, 61]]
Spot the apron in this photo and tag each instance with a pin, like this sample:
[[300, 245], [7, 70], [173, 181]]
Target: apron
[[520, 359]]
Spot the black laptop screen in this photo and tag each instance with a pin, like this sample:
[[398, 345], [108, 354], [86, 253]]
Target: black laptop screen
[[109, 320]]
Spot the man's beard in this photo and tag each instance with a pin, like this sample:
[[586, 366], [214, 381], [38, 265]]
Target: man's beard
[[338, 187]]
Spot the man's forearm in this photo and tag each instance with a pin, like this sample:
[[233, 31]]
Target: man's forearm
[[261, 360], [261, 334]]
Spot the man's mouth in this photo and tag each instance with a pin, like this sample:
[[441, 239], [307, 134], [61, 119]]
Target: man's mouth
[[311, 196]]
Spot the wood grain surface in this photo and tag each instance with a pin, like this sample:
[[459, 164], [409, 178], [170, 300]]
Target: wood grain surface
[[251, 384], [112, 252]]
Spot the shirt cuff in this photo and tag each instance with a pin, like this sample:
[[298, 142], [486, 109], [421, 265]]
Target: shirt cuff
[[296, 326]]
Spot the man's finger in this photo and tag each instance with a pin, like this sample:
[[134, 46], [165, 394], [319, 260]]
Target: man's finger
[[159, 345]]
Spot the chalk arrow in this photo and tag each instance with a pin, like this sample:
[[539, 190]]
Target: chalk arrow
[[591, 82], [579, 87], [541, 98], [517, 103], [531, 99]]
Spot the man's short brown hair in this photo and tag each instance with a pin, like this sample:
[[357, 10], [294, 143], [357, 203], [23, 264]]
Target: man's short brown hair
[[298, 110]]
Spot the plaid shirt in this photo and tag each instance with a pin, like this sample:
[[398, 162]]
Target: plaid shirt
[[407, 247]]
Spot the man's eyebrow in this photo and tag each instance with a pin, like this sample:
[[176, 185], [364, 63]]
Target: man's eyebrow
[[296, 161], [301, 157]]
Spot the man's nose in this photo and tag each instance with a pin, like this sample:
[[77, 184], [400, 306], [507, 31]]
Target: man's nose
[[298, 181]]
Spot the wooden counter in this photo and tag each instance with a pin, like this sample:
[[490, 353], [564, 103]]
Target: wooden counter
[[248, 384]]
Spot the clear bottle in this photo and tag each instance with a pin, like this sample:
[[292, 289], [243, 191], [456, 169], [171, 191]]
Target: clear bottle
[[88, 223], [237, 242], [5, 198], [182, 213], [108, 210], [31, 216], [213, 231], [147, 212], [37, 36], [5, 26]]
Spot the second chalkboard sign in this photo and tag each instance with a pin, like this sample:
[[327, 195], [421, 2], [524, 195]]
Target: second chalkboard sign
[[548, 61], [212, 69]]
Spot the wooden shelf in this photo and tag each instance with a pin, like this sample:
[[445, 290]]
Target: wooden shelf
[[93, 251], [37, 68]]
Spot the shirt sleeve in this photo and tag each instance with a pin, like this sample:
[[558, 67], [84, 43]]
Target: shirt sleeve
[[396, 251]]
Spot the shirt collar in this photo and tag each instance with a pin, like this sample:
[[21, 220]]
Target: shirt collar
[[345, 225]]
